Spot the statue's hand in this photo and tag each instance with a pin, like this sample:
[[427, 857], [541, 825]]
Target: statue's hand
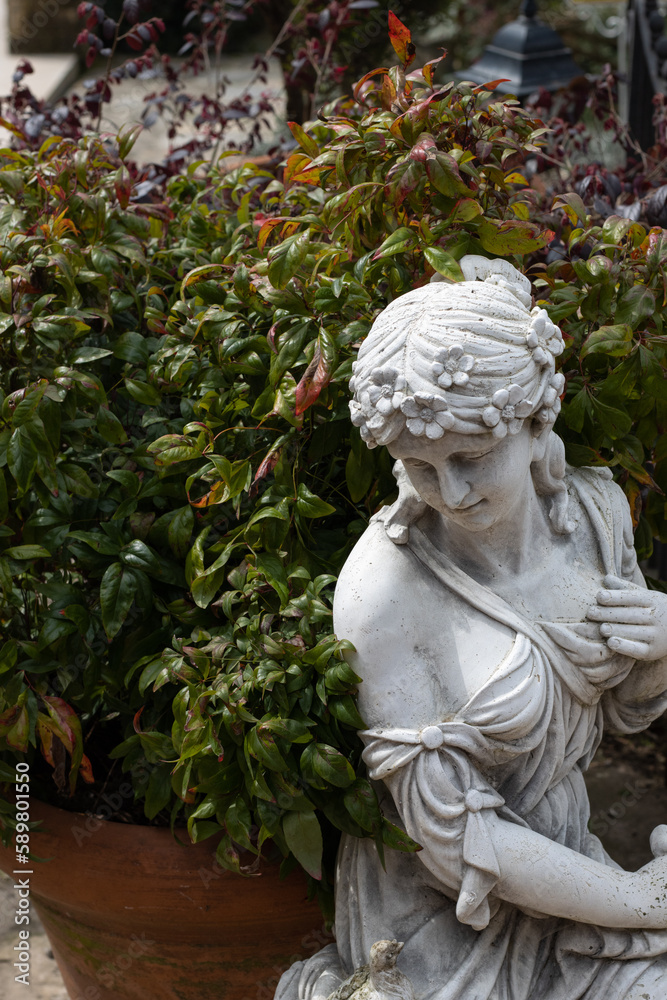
[[633, 621]]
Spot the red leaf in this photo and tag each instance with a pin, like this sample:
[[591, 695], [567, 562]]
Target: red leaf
[[86, 771], [132, 10], [91, 56], [420, 149], [135, 720], [135, 42], [401, 39], [123, 186], [62, 716], [268, 465], [491, 85], [358, 87], [313, 380]]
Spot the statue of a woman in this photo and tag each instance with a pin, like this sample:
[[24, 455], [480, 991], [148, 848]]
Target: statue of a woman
[[500, 624]]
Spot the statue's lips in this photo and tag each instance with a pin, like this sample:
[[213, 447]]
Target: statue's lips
[[466, 506]]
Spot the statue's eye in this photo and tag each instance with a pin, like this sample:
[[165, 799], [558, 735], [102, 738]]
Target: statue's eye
[[416, 463]]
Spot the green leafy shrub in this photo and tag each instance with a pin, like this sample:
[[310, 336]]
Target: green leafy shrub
[[608, 295]]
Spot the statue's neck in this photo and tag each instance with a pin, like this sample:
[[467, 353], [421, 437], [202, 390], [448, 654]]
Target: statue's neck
[[509, 547]]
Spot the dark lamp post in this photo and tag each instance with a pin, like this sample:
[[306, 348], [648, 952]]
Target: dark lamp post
[[527, 54]]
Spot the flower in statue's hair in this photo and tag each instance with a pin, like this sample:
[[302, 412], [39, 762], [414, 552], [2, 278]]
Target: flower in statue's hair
[[452, 366], [551, 398], [357, 415], [387, 390], [427, 415], [507, 411], [544, 338]]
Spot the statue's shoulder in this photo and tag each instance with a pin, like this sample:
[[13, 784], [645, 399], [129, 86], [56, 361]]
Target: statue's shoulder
[[374, 576], [596, 483]]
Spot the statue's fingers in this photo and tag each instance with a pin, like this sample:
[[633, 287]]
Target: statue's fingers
[[628, 647], [625, 598], [637, 633], [624, 615]]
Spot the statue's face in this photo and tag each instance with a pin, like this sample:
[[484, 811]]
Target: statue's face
[[474, 480]]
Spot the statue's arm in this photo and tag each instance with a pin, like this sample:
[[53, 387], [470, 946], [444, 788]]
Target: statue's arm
[[540, 875]]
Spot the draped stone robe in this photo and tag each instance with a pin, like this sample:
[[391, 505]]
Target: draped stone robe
[[518, 747]]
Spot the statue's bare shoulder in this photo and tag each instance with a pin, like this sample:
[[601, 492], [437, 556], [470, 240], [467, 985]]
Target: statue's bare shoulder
[[420, 650]]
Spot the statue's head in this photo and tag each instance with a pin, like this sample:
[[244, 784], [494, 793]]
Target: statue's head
[[466, 358]]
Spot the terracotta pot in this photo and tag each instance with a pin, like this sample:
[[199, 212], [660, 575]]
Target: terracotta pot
[[131, 914]]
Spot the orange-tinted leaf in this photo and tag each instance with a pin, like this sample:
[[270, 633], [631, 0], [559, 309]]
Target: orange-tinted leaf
[[490, 86], [268, 464], [401, 39], [429, 69], [266, 229], [217, 494], [299, 168], [295, 163], [62, 717], [135, 721], [86, 771], [306, 141], [359, 85], [388, 93]]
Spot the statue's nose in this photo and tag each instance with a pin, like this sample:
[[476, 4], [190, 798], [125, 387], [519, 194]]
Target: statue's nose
[[454, 488]]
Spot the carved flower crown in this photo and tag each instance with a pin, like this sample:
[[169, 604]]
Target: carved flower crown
[[468, 357]]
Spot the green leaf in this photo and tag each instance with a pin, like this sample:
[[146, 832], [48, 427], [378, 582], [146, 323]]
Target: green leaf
[[158, 792], [443, 263], [286, 258], [398, 839], [359, 470], [83, 355], [98, 541], [239, 822], [443, 172], [509, 237], [180, 531], [117, 591], [131, 347], [329, 764], [138, 555], [616, 341], [27, 552], [362, 804], [303, 836], [400, 240], [142, 392], [575, 410], [635, 306], [614, 422], [110, 427], [22, 458], [309, 505], [73, 479], [345, 710], [171, 448], [273, 569]]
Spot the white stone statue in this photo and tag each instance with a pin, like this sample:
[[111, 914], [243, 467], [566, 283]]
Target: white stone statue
[[500, 624]]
